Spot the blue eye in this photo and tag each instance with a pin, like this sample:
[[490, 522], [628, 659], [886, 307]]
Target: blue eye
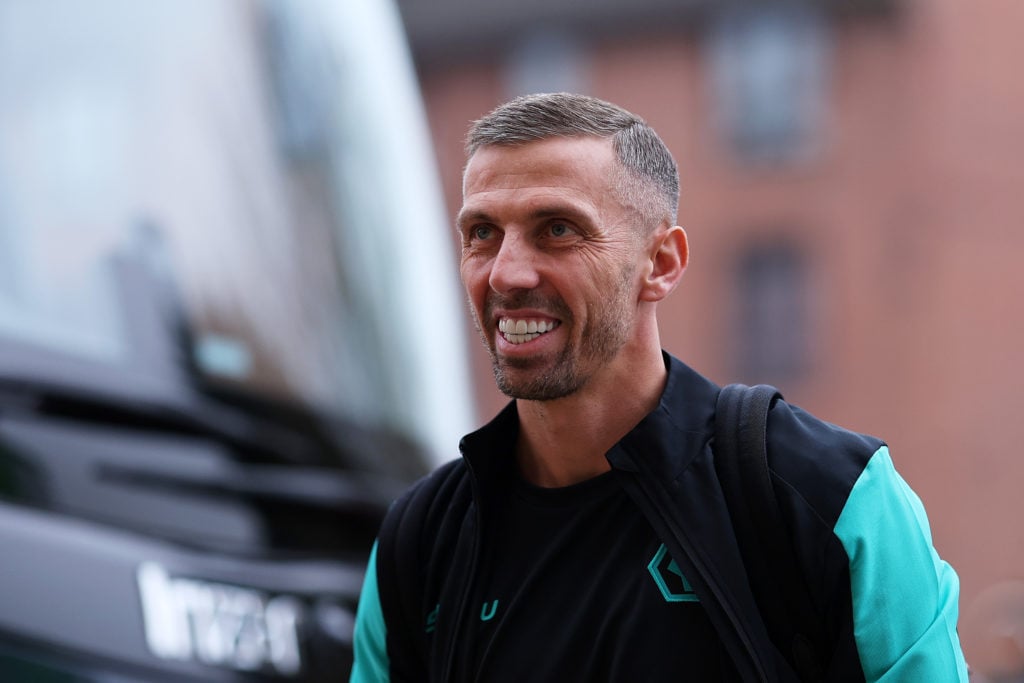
[[482, 232], [560, 229]]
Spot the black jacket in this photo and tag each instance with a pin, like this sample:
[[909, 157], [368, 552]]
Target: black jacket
[[887, 603]]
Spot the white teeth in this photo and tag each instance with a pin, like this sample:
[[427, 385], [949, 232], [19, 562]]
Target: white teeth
[[520, 338], [521, 331]]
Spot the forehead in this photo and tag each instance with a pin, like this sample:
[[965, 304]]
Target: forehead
[[583, 165]]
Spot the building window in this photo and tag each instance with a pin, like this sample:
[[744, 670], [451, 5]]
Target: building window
[[773, 290], [546, 60], [768, 71]]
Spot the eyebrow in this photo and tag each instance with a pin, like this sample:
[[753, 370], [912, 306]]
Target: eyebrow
[[554, 211], [464, 217]]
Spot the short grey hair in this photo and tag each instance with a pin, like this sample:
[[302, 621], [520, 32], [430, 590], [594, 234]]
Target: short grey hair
[[650, 182]]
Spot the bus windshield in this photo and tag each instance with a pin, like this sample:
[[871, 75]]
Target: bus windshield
[[239, 149]]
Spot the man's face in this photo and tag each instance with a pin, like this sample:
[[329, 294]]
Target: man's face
[[550, 262]]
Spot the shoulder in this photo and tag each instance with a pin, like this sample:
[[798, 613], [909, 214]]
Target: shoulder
[[899, 598], [426, 503], [816, 461], [426, 517], [391, 606]]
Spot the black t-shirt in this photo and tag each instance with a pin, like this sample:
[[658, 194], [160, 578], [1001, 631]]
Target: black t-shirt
[[574, 586]]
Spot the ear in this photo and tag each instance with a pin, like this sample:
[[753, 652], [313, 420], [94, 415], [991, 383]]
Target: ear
[[668, 258]]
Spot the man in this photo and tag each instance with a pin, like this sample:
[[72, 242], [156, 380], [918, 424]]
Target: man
[[584, 536]]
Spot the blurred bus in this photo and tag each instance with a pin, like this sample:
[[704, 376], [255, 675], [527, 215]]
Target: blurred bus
[[230, 331]]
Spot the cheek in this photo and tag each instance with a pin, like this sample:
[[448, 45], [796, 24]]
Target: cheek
[[618, 282], [606, 272]]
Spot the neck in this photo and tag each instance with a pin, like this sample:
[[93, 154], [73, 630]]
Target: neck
[[564, 441]]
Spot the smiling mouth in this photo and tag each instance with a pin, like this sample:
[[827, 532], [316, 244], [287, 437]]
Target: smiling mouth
[[522, 330]]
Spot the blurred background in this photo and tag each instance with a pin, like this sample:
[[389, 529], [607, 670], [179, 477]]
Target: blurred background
[[230, 331], [226, 261]]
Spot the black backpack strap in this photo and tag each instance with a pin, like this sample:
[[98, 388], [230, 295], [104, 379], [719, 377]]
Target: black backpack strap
[[741, 461]]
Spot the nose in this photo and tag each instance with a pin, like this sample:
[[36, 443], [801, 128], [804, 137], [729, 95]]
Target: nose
[[514, 267]]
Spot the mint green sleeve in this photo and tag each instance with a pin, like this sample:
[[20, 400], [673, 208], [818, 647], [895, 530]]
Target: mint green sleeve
[[370, 640], [904, 595]]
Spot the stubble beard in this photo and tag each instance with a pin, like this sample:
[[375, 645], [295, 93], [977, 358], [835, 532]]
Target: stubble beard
[[548, 379]]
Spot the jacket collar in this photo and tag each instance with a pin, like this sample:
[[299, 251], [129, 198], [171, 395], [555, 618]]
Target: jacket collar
[[489, 452], [668, 438], [671, 436]]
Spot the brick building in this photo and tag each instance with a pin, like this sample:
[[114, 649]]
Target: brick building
[[851, 186]]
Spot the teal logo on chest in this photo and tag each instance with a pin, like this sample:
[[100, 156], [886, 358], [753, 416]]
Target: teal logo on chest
[[669, 578]]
